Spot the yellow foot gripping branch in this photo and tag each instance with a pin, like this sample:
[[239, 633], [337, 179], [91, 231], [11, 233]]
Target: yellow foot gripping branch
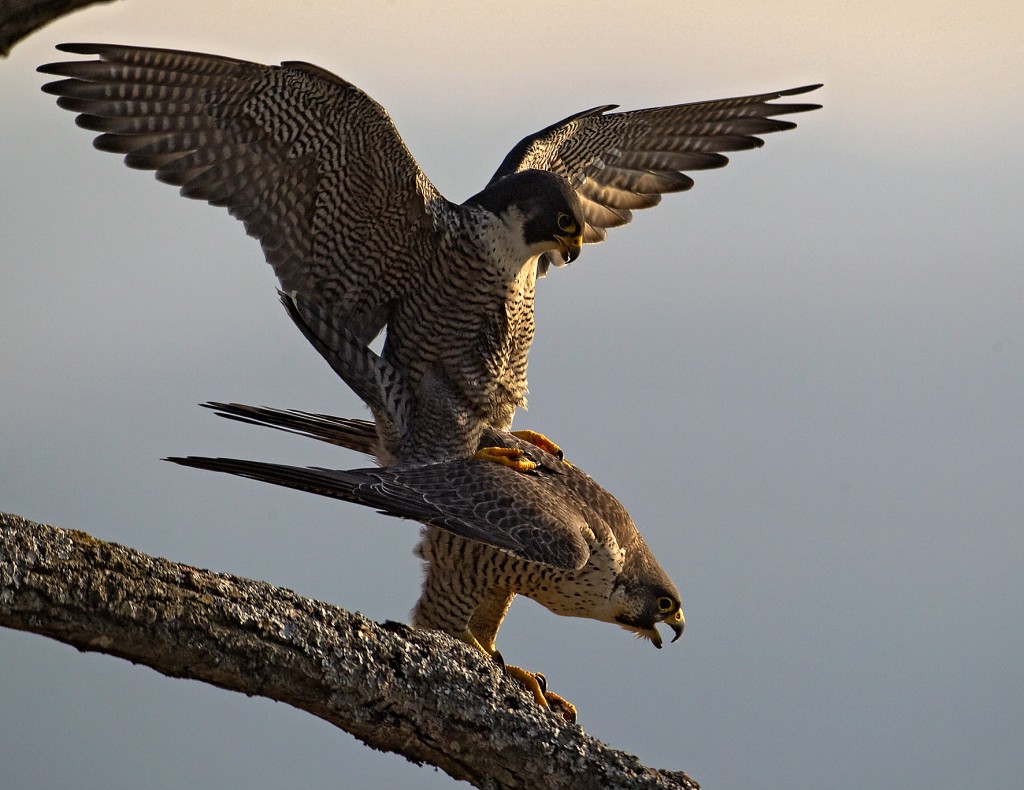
[[537, 684]]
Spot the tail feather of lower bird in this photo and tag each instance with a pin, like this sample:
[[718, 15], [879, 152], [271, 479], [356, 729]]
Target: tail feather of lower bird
[[337, 484]]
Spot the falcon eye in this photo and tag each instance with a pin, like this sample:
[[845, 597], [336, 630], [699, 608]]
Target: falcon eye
[[666, 604], [566, 223]]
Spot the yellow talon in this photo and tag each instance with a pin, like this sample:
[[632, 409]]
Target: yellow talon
[[541, 441], [512, 457], [529, 681], [535, 683], [560, 705]]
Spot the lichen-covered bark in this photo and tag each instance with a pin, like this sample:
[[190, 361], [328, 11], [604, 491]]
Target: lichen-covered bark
[[18, 18], [417, 693]]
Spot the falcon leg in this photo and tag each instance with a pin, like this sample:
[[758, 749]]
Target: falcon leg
[[475, 614], [533, 682], [542, 441], [527, 679], [511, 457], [484, 627]]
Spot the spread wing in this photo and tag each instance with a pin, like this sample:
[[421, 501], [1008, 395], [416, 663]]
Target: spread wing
[[477, 500], [619, 162], [313, 167]]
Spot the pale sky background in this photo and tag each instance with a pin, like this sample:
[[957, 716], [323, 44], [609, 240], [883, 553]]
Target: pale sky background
[[804, 378]]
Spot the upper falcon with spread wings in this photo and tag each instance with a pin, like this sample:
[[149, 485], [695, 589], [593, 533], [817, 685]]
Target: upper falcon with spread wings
[[317, 172]]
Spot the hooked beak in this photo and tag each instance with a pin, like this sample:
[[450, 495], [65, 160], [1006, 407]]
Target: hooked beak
[[676, 622], [673, 621], [570, 246]]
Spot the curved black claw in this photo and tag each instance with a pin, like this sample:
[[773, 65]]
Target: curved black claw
[[541, 441]]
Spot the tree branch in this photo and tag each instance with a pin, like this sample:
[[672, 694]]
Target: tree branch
[[418, 693]]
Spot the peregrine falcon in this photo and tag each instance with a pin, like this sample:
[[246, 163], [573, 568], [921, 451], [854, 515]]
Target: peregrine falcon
[[553, 534], [317, 172]]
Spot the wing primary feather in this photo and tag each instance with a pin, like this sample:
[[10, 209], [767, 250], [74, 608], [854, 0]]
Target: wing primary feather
[[618, 162]]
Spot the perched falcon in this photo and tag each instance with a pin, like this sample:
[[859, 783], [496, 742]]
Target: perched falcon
[[316, 171], [553, 534]]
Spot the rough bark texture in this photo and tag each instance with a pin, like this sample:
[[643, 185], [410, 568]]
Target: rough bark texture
[[421, 694], [18, 18]]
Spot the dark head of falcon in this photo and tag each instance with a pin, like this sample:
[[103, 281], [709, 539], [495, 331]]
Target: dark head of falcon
[[644, 597], [550, 210]]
